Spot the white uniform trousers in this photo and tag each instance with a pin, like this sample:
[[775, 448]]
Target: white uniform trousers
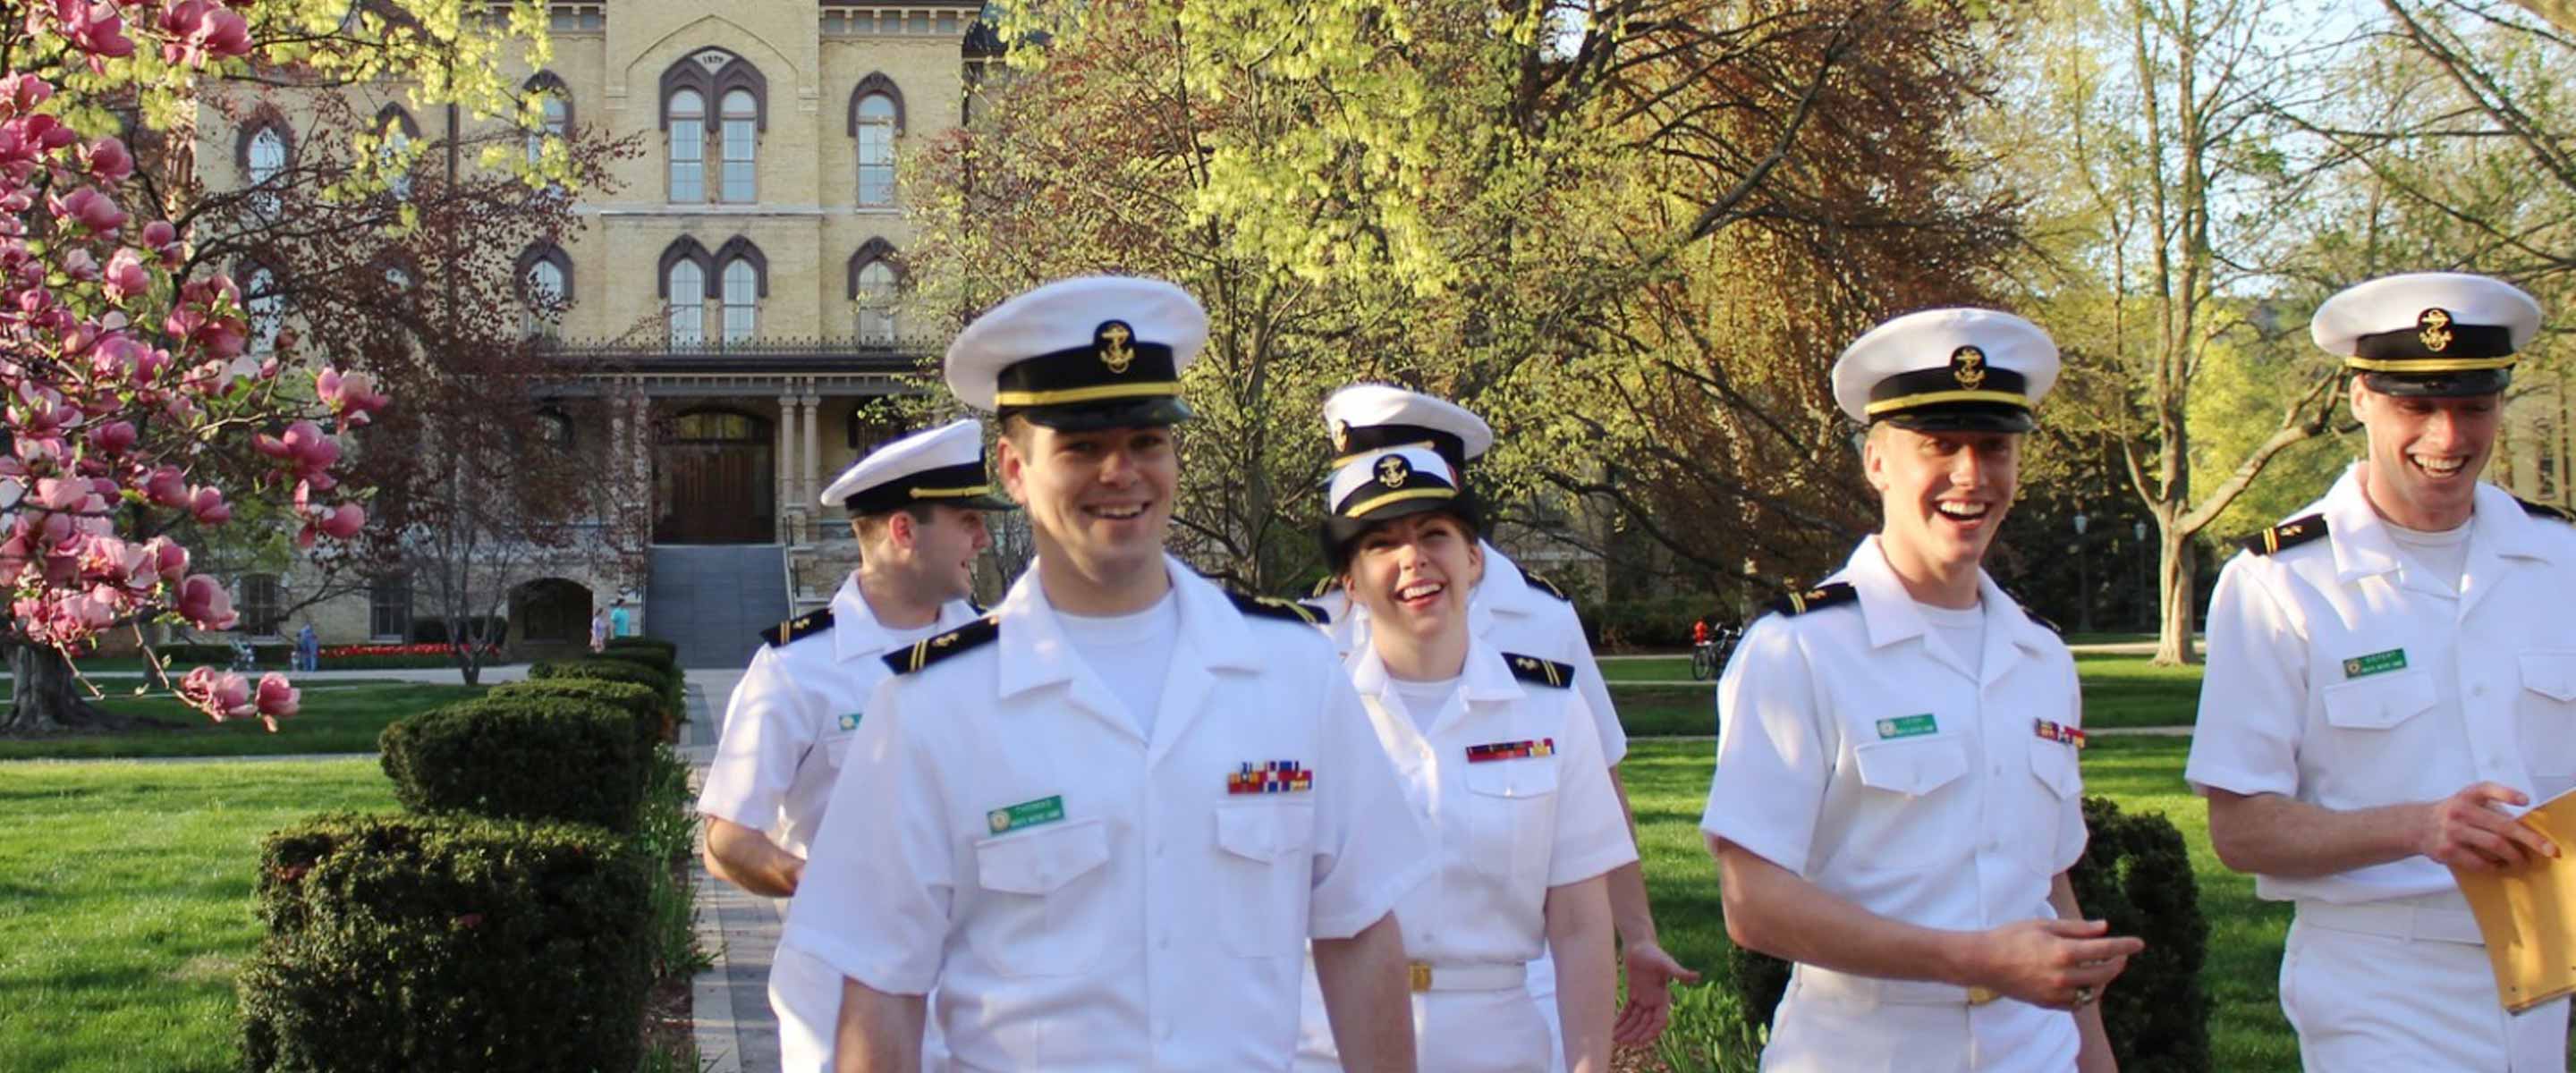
[[2394, 986], [1832, 1022], [1542, 990], [806, 995], [1485, 1031]]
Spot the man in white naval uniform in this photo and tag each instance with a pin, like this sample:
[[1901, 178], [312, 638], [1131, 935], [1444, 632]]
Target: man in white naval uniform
[[2392, 673], [1897, 799], [916, 506], [1106, 819], [1513, 611]]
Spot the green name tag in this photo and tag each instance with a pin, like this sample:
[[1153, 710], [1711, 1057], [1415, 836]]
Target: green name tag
[[2375, 663], [1908, 727], [850, 721], [1027, 814]]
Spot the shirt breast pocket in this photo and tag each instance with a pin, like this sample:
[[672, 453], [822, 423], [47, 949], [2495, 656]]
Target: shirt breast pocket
[[2368, 704], [1042, 894], [2548, 711], [1264, 866], [1907, 821], [1511, 814]]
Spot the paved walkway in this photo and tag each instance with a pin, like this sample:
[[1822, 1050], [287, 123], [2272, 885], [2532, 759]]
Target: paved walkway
[[736, 1032]]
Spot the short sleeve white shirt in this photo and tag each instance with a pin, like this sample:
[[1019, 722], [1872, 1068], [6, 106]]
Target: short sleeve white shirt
[[793, 715], [1891, 773], [2339, 678], [1085, 897]]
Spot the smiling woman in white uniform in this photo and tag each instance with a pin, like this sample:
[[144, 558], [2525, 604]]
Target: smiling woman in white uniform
[[1499, 758]]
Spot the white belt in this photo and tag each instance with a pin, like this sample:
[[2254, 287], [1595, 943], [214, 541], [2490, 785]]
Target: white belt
[[1492, 976], [1826, 983], [2396, 921]]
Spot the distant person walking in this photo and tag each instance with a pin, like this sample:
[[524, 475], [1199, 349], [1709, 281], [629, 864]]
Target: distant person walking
[[618, 624], [308, 649], [599, 630]]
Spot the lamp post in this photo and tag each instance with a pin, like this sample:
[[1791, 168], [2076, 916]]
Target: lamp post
[[2083, 579], [2146, 577]]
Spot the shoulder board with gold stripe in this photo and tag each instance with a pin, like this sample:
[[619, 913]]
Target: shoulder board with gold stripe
[[2289, 534], [1324, 586], [1544, 585], [798, 628], [1546, 672], [929, 650], [1821, 596], [2543, 510], [1283, 610]]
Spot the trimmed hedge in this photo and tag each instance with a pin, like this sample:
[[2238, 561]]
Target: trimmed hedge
[[527, 757], [651, 644], [606, 669], [655, 660], [2135, 874], [641, 703], [442, 944]]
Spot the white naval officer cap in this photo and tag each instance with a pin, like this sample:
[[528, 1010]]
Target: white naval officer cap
[[1366, 417], [2436, 334], [1942, 370], [1079, 354], [1377, 486], [940, 465]]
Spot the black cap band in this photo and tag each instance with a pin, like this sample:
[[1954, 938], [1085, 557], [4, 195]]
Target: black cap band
[[962, 485], [1115, 369]]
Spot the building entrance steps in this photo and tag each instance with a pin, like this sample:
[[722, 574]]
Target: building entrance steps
[[712, 600]]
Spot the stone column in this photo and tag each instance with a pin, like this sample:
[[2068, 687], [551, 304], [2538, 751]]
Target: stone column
[[811, 456], [786, 475]]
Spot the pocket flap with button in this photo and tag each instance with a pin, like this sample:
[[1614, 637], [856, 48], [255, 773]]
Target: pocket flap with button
[[1919, 766], [1044, 859], [2377, 703], [2056, 764], [1526, 777], [1267, 831], [2550, 674]]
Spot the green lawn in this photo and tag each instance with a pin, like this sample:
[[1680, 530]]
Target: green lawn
[[1647, 669], [1668, 784], [2119, 691], [335, 719], [125, 903]]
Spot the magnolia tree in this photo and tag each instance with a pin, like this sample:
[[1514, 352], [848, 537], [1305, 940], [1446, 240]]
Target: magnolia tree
[[131, 411]]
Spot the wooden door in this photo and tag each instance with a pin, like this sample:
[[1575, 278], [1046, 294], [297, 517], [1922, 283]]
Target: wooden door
[[713, 480]]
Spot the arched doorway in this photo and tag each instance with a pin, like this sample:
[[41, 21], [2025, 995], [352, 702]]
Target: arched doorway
[[551, 611], [713, 479]]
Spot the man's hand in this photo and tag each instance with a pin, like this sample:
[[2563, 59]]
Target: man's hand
[[2059, 964], [1651, 972], [2468, 830]]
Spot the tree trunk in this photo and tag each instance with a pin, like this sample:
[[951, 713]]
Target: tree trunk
[[45, 699], [2177, 584]]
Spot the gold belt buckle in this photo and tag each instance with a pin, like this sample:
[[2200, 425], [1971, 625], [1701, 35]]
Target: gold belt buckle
[[1978, 996], [1421, 975]]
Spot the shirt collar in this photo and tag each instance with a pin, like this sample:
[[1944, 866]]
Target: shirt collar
[[1486, 678], [856, 633], [2363, 546], [1035, 651], [1891, 616]]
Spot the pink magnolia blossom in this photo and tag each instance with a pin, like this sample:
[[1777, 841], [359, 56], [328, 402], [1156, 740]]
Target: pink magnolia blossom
[[94, 27], [164, 241], [21, 93], [220, 694], [126, 277], [166, 487], [63, 494], [351, 395], [340, 523], [201, 30], [204, 603], [275, 698], [113, 438], [82, 267], [88, 208], [109, 161], [207, 505], [167, 559]]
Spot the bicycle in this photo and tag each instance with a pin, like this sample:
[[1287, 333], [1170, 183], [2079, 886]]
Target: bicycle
[[1710, 649]]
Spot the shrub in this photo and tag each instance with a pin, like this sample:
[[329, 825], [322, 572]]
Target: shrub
[[2136, 874], [1710, 1032], [671, 687], [641, 703], [654, 644], [443, 944], [528, 757], [652, 659]]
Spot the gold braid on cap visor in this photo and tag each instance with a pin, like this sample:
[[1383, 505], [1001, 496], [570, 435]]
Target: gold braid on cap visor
[[1935, 398], [2427, 365], [1362, 508], [1068, 396]]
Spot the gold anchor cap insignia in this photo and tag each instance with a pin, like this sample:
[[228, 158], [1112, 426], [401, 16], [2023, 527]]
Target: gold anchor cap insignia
[[1112, 341], [1393, 470], [1968, 367], [2433, 326]]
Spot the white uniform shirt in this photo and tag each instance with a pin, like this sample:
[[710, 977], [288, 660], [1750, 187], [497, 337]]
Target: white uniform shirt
[[1512, 615], [793, 715], [1863, 759], [1087, 899], [2337, 679]]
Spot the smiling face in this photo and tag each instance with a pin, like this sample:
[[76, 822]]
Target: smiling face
[[1414, 574], [2425, 454], [1943, 495], [945, 548], [1099, 502]]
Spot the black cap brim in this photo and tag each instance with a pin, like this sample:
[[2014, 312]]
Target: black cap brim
[[1964, 417], [1154, 411], [2466, 383], [1338, 533]]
